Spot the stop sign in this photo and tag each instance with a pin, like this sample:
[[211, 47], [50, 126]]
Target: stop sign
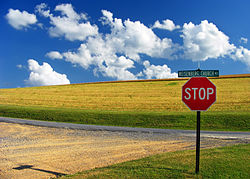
[[198, 93]]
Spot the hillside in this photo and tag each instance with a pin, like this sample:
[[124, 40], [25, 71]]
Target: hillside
[[145, 103], [233, 93]]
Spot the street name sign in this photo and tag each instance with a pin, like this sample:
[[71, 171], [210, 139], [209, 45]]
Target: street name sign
[[198, 93], [198, 73]]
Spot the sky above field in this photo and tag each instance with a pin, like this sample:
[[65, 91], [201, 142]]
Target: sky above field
[[64, 42]]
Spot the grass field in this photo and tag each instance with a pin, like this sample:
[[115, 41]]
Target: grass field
[[137, 104], [226, 162], [220, 121]]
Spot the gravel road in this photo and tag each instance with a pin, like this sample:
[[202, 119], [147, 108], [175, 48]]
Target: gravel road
[[38, 149]]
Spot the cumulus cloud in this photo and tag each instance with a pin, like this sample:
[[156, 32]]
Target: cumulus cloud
[[115, 54], [43, 10], [243, 40], [205, 41], [100, 55], [69, 24], [157, 71], [243, 55], [108, 18], [129, 39], [54, 55], [134, 38], [20, 20], [166, 24], [19, 66], [81, 57], [118, 68], [44, 74]]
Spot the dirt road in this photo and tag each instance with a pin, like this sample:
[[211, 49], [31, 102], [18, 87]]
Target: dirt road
[[41, 152]]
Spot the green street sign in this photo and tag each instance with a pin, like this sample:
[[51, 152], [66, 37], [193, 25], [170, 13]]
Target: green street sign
[[197, 73]]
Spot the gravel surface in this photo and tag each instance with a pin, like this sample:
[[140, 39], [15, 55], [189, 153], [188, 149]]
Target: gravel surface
[[28, 151], [187, 133]]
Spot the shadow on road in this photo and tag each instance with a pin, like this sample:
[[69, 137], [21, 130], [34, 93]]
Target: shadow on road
[[22, 167]]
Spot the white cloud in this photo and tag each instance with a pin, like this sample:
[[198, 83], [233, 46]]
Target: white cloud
[[100, 55], [41, 75], [243, 55], [41, 9], [134, 38], [205, 41], [118, 68], [130, 38], [71, 25], [19, 66], [243, 40], [20, 20], [114, 54], [157, 71], [68, 11], [54, 55], [82, 57], [107, 17], [167, 24]]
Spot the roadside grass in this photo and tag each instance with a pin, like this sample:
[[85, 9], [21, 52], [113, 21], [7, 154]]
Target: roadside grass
[[224, 162], [221, 121]]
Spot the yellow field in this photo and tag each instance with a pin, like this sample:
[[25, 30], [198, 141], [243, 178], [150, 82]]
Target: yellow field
[[233, 94]]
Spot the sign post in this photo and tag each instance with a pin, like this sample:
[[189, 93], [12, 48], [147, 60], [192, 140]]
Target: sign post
[[197, 167], [198, 93]]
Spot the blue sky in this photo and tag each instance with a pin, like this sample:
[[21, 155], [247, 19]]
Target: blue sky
[[62, 42]]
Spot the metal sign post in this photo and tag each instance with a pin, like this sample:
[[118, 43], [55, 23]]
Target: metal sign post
[[197, 166]]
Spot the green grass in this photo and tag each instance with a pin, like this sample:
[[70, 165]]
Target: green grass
[[227, 162], [227, 121]]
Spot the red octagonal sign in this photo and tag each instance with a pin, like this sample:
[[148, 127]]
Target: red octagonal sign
[[198, 93]]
